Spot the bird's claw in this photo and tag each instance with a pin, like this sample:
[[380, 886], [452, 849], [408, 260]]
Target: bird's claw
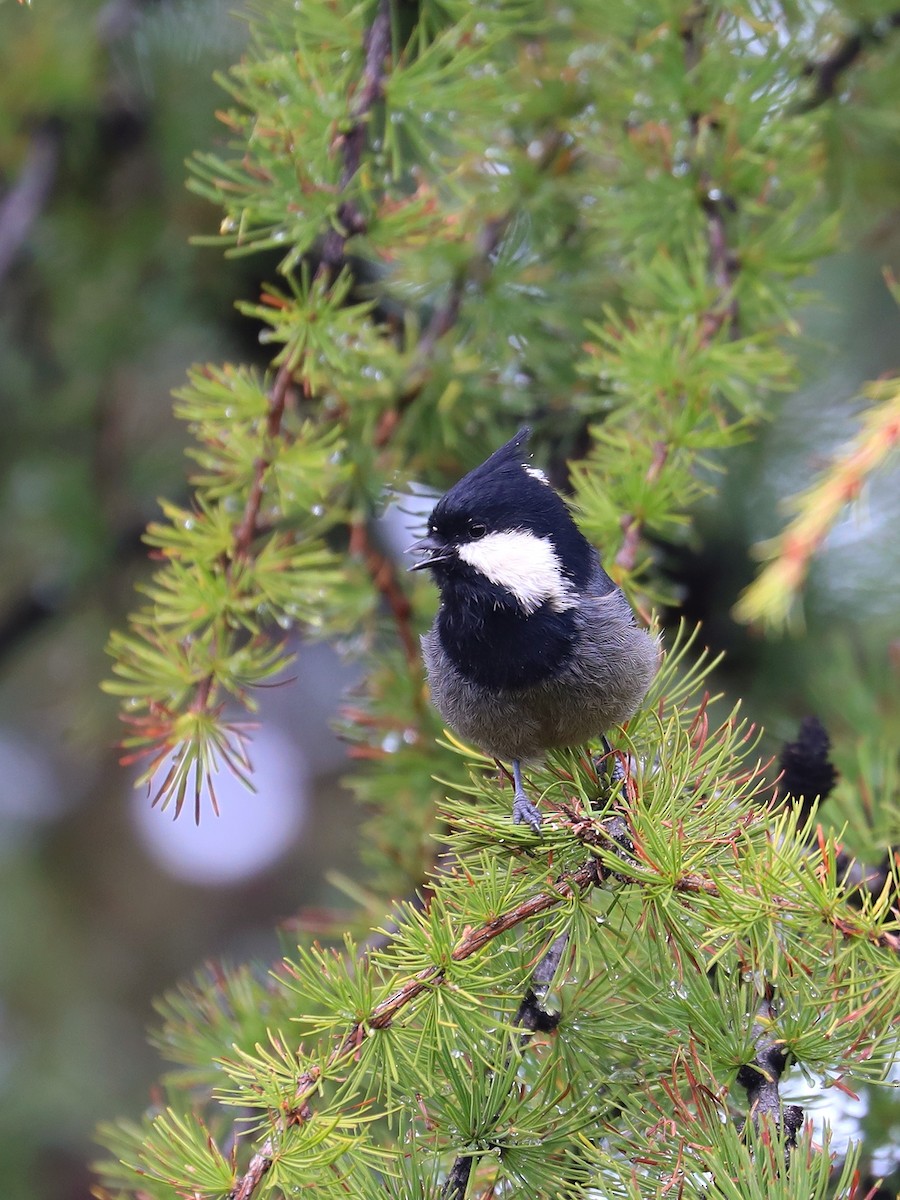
[[525, 811]]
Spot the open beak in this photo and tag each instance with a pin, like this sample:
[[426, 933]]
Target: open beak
[[434, 551]]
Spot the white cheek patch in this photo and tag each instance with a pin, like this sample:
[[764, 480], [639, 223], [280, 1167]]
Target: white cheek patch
[[525, 565]]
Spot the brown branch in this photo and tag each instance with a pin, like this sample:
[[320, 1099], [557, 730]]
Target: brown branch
[[247, 528], [352, 142], [723, 266], [259, 1166], [632, 525], [386, 580], [473, 940], [261, 1162]]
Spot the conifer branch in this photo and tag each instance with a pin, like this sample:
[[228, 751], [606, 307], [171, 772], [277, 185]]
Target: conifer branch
[[607, 835], [206, 699], [386, 1011], [475, 271], [161, 734], [760, 1078], [441, 322], [474, 940], [788, 556], [532, 1017], [722, 267], [689, 389], [261, 1162]]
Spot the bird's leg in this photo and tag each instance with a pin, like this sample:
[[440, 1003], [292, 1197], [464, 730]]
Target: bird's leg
[[523, 809], [615, 771], [610, 774]]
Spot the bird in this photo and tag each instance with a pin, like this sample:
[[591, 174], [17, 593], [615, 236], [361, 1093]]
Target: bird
[[533, 647]]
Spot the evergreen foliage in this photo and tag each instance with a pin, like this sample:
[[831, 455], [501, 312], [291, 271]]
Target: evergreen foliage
[[593, 217]]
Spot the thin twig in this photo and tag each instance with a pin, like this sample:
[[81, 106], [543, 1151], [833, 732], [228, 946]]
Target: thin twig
[[247, 528], [386, 579], [445, 317], [261, 1162], [475, 271], [722, 265], [442, 321], [259, 1166], [633, 525]]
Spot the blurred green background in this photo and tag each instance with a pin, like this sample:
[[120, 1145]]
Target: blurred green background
[[103, 305]]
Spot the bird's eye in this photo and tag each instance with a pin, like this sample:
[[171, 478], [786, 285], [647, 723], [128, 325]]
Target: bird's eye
[[477, 530]]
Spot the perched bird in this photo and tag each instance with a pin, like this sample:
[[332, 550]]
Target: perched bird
[[533, 646]]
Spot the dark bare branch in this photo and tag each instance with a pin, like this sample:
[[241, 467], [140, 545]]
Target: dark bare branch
[[762, 1077], [25, 200], [827, 74]]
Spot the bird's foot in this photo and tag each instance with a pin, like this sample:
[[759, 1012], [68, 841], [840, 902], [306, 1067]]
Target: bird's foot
[[611, 767], [524, 811]]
